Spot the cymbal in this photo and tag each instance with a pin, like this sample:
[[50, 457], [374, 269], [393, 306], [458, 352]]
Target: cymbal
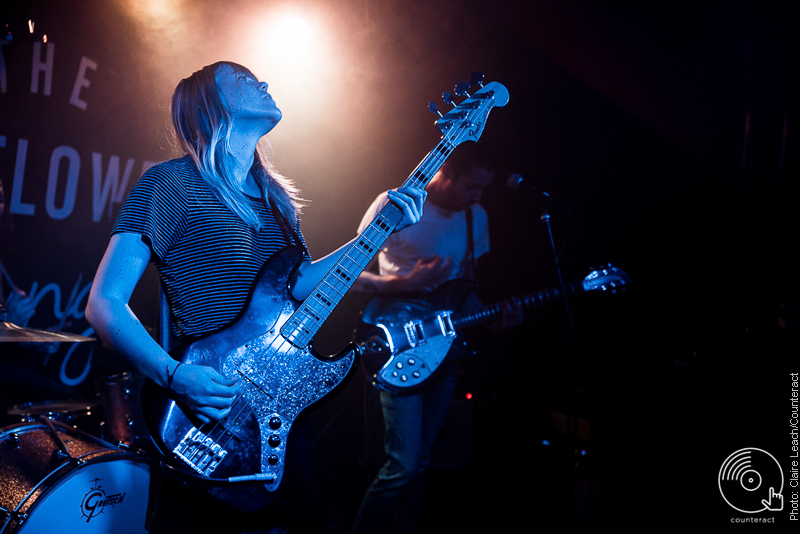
[[10, 332]]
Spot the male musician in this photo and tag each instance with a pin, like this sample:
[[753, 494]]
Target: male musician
[[208, 221], [452, 233]]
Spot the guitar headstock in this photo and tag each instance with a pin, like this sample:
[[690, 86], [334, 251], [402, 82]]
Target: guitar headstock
[[611, 279], [465, 122]]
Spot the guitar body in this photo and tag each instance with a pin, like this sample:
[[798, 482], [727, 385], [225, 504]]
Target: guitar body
[[280, 382], [410, 335]]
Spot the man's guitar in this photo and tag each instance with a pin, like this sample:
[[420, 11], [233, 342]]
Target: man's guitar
[[414, 333], [241, 459]]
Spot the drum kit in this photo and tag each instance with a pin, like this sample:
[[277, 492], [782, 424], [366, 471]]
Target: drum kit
[[55, 477]]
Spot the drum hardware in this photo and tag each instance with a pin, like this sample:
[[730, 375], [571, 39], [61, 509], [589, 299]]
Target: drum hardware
[[64, 411], [62, 447], [138, 451], [12, 515], [62, 453], [13, 436]]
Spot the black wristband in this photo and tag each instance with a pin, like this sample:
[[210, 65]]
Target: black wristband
[[171, 376]]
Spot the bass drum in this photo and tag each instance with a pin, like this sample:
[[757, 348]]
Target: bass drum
[[54, 478]]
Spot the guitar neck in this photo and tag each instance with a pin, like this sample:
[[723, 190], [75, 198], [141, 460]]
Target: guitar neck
[[493, 312], [301, 327]]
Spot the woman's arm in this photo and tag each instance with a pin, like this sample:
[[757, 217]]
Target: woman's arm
[[309, 274], [207, 393]]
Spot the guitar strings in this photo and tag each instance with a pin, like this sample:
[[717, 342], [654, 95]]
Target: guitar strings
[[235, 420], [240, 397], [438, 155], [413, 181]]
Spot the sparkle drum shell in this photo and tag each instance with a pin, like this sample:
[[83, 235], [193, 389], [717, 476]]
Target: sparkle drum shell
[[91, 488], [120, 396]]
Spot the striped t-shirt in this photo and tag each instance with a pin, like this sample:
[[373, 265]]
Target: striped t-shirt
[[208, 258]]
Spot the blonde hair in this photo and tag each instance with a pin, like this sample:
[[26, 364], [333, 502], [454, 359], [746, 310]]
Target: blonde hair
[[203, 127]]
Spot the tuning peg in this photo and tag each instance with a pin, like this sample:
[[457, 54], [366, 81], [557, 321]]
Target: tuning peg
[[462, 89], [448, 98], [476, 78], [433, 109]]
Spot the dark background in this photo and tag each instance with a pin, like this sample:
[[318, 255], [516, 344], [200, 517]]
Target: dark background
[[665, 127]]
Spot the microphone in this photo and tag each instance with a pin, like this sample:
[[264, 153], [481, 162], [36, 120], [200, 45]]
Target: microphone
[[518, 183]]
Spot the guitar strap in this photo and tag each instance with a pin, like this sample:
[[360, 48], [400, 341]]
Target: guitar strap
[[289, 233]]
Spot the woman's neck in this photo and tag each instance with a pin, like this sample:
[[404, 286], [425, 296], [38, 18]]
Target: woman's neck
[[243, 147]]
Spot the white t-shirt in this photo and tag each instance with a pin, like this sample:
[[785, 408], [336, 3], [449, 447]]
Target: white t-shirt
[[439, 231]]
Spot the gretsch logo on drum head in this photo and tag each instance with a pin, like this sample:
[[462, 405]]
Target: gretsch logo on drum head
[[96, 500]]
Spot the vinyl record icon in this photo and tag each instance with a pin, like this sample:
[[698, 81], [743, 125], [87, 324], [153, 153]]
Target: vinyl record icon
[[746, 477]]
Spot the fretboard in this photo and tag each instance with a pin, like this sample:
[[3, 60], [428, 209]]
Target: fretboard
[[493, 312], [304, 323]]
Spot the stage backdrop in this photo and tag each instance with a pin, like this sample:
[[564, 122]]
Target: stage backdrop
[[78, 127], [664, 127]]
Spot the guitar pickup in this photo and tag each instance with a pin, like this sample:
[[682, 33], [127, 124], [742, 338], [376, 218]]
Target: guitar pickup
[[233, 430], [445, 324], [415, 333]]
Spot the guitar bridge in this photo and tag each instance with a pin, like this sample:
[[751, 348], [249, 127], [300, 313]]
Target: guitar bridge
[[199, 452]]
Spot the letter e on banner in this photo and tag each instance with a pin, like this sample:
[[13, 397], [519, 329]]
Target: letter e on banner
[[81, 82]]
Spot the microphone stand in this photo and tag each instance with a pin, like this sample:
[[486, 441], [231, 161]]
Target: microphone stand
[[545, 218], [579, 396]]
